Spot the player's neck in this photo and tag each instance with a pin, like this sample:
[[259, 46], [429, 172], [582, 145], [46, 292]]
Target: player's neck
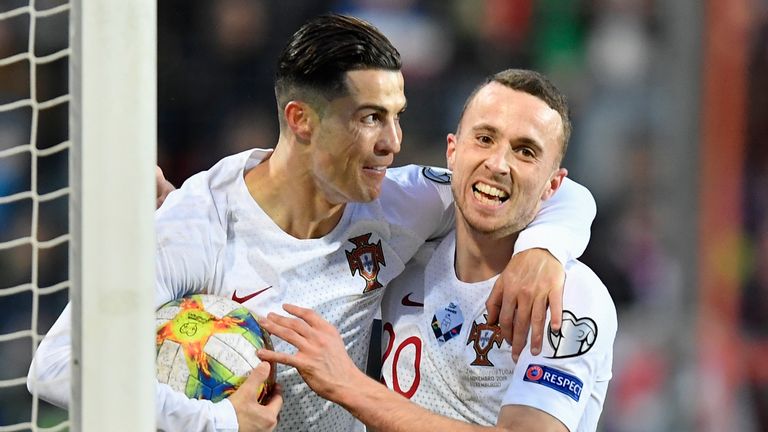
[[479, 256], [286, 193]]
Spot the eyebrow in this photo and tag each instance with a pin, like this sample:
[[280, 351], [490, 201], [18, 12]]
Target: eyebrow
[[380, 108], [532, 143], [485, 127], [522, 140]]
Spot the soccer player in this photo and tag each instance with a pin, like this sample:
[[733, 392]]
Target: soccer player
[[440, 352], [319, 221]]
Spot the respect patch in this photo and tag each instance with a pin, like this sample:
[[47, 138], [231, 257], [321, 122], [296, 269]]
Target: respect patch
[[565, 383]]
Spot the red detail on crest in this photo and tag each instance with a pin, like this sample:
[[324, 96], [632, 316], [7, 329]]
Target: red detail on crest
[[483, 337], [365, 259]]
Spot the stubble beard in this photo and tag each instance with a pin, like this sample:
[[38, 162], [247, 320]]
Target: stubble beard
[[516, 223]]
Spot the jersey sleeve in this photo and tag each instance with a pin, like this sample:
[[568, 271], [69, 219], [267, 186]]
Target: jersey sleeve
[[189, 239], [419, 198], [176, 412], [562, 225], [50, 375], [569, 378]]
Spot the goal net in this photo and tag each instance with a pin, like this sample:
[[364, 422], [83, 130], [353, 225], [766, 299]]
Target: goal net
[[77, 155]]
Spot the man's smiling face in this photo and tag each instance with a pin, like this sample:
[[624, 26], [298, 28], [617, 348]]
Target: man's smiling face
[[505, 159], [358, 136]]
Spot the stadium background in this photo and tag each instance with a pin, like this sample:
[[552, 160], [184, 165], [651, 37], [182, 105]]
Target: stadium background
[[670, 103]]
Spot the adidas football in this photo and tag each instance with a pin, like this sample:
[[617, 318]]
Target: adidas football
[[206, 346]]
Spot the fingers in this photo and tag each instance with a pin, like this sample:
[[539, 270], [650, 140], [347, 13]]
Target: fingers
[[253, 389], [314, 319], [275, 399], [245, 399], [276, 357], [538, 321], [494, 303], [159, 174], [291, 330], [556, 308], [163, 187], [507, 319], [258, 375], [522, 322]]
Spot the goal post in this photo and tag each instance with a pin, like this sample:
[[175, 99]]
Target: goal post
[[113, 132]]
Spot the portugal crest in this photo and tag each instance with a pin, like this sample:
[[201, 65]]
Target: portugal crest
[[365, 258], [484, 337]]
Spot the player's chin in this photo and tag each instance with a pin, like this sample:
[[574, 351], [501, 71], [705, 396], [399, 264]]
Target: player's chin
[[369, 195], [489, 224], [369, 190]]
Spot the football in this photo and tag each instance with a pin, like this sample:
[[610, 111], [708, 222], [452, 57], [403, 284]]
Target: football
[[206, 346]]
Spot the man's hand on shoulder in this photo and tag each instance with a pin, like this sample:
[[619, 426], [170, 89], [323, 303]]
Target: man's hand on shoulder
[[164, 187], [251, 415], [532, 280]]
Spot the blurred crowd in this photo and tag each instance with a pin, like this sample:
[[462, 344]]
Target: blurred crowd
[[216, 60]]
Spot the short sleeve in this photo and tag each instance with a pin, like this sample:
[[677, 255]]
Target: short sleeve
[[563, 223], [569, 378]]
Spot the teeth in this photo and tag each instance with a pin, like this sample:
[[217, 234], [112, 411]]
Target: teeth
[[485, 200], [490, 190]]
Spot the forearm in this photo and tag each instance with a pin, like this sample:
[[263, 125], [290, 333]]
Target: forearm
[[386, 411]]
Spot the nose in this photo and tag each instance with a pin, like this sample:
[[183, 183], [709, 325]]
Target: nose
[[389, 141], [497, 162]]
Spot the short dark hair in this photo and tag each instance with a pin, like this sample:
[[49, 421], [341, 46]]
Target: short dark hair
[[317, 56], [535, 84]]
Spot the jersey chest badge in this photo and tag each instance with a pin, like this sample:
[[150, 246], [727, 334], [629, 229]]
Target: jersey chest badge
[[483, 337], [447, 322], [365, 259]]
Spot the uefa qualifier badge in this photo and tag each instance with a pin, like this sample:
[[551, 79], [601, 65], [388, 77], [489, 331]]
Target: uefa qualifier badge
[[446, 323]]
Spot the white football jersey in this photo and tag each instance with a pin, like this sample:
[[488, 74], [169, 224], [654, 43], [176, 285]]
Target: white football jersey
[[440, 353], [212, 237]]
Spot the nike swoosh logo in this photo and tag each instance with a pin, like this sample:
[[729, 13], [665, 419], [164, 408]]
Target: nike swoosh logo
[[249, 296], [408, 302]]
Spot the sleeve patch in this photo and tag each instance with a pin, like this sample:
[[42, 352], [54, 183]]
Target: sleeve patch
[[576, 336], [555, 379], [437, 175]]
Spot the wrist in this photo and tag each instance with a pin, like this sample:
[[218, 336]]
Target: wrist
[[355, 387]]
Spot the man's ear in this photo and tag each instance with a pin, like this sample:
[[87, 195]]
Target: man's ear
[[554, 183], [300, 118], [450, 150]]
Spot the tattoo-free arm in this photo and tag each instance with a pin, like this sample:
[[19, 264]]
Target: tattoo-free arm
[[323, 362]]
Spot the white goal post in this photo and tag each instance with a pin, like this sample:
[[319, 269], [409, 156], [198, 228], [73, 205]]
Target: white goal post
[[103, 169], [113, 130]]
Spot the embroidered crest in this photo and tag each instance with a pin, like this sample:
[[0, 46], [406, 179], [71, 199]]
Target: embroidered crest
[[447, 322], [483, 337], [576, 336], [365, 258], [437, 175]]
